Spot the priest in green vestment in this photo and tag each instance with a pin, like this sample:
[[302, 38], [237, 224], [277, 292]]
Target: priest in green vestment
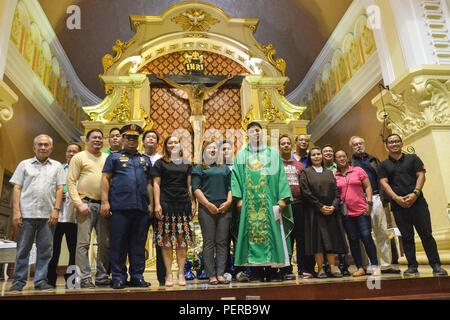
[[260, 184]]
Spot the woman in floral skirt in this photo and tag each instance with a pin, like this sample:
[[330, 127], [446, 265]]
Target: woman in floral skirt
[[174, 207]]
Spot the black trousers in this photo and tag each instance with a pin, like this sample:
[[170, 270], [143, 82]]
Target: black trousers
[[160, 267], [70, 231], [305, 263], [417, 216]]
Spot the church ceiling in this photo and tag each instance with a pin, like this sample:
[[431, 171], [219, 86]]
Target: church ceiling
[[298, 29]]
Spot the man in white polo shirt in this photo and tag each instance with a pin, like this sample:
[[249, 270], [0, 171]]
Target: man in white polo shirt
[[38, 191]]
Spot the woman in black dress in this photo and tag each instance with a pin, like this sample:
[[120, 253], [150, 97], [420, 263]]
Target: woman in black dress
[[324, 232], [174, 207]]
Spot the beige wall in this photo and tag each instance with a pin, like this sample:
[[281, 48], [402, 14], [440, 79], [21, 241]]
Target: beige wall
[[16, 135], [361, 121]]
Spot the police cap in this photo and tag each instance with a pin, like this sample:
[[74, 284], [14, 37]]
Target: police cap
[[131, 130]]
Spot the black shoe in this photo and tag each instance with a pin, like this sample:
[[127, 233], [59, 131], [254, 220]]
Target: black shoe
[[44, 286], [411, 271], [162, 283], [140, 283], [345, 273], [336, 275], [322, 275], [390, 271], [87, 284], [103, 282], [289, 277], [118, 284], [273, 276], [438, 271], [16, 287]]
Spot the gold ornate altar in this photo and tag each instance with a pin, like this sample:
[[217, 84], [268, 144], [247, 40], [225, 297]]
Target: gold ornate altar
[[226, 45]]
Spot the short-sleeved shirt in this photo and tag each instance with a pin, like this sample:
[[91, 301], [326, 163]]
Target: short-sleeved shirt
[[214, 182], [401, 173], [333, 167], [293, 170], [155, 157], [130, 175], [174, 186], [365, 162], [351, 187], [303, 159], [68, 213], [38, 181]]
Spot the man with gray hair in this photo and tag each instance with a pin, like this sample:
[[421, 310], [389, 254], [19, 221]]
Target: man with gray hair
[[370, 165], [38, 191]]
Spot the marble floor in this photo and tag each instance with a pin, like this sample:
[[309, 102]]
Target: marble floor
[[425, 272]]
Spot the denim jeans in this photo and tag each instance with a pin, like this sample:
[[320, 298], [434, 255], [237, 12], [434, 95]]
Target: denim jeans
[[31, 228], [359, 228], [85, 225]]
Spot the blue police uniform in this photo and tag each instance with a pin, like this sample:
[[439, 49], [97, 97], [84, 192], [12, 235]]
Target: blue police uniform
[[129, 200]]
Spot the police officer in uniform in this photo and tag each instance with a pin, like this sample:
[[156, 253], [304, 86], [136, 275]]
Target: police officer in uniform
[[127, 193]]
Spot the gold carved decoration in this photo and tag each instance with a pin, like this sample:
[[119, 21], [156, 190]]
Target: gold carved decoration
[[108, 60], [195, 35], [270, 111], [148, 121], [108, 89], [424, 102], [269, 51], [252, 27], [122, 111], [247, 119], [195, 20], [93, 116]]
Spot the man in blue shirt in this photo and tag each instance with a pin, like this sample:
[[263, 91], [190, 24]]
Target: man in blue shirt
[[301, 152], [127, 192]]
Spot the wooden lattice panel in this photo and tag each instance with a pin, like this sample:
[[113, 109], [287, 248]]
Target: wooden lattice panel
[[170, 108], [173, 64]]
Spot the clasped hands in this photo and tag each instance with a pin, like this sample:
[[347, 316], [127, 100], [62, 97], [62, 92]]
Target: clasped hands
[[405, 201], [327, 210], [223, 208]]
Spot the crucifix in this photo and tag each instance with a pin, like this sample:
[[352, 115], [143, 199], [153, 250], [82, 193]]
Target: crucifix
[[197, 93]]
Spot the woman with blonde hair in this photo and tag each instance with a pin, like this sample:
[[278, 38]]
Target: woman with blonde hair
[[174, 206], [211, 185]]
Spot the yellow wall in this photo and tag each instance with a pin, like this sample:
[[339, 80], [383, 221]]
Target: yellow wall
[[359, 121]]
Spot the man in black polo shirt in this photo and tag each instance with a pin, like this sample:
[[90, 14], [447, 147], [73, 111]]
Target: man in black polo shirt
[[370, 165], [402, 176]]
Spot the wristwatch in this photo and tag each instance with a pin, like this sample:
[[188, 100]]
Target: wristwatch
[[370, 203], [417, 192]]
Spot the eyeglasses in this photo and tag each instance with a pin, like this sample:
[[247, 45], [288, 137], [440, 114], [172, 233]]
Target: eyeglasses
[[394, 142]]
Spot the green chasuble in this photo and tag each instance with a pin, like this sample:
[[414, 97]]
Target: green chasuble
[[258, 177]]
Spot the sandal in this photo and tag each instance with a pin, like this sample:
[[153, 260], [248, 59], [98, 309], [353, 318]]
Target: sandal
[[223, 281], [213, 282], [181, 280]]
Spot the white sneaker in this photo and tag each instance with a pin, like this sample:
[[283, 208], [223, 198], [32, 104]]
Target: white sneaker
[[227, 276], [241, 277]]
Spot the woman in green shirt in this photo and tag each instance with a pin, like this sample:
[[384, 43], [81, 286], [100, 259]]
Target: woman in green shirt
[[211, 186]]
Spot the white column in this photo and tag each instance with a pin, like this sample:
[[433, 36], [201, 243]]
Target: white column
[[423, 29], [374, 14], [7, 8]]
